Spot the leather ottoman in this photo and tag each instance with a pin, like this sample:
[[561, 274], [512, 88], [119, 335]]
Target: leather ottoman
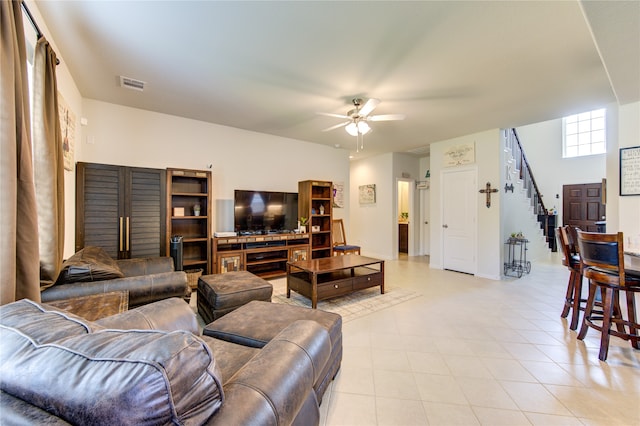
[[257, 322], [220, 294]]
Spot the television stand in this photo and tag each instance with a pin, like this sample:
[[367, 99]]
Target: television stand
[[263, 255]]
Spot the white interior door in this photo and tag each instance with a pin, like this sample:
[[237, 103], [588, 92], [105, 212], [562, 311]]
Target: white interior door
[[459, 220]]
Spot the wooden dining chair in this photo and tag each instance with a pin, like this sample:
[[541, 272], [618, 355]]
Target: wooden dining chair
[[340, 245], [573, 301], [602, 257]]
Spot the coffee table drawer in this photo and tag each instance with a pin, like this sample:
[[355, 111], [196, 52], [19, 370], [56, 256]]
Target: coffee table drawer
[[335, 288], [366, 281]]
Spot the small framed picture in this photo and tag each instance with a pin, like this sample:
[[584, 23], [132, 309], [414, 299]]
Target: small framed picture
[[315, 228], [178, 211], [367, 194]]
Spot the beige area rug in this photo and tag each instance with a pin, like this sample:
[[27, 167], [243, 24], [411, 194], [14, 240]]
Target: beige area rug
[[350, 306]]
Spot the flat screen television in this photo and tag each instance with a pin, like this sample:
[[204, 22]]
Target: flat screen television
[[265, 211]]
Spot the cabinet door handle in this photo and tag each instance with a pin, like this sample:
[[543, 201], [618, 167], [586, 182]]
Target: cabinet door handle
[[120, 233], [128, 233]]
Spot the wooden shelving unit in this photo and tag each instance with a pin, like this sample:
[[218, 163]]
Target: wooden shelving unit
[[315, 201], [186, 189]]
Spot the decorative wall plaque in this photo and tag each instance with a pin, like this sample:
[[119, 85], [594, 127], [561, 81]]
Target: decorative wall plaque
[[68, 129], [459, 155], [367, 194], [630, 171], [338, 195]]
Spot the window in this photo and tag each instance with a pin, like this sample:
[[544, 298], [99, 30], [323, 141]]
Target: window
[[584, 134], [31, 38]]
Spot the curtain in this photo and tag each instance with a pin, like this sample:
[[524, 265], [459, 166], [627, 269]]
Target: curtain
[[19, 264], [48, 163]]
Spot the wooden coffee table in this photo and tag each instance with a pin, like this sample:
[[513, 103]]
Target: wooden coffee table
[[320, 279]]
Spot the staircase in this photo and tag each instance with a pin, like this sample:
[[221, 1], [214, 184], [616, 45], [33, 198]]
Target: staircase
[[525, 211]]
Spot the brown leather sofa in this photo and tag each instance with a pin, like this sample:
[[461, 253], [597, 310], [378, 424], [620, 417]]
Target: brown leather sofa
[[148, 366], [146, 279]]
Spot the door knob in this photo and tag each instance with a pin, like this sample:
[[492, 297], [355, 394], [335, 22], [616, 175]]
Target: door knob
[[445, 226]]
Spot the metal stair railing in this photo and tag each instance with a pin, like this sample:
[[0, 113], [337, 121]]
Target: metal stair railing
[[525, 174]]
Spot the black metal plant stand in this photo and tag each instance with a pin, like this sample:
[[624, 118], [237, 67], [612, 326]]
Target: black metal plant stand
[[517, 257]]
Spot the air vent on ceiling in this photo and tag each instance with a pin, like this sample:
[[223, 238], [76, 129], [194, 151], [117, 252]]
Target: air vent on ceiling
[[131, 83], [420, 150]]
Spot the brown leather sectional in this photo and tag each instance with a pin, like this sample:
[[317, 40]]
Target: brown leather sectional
[[59, 368], [146, 279]]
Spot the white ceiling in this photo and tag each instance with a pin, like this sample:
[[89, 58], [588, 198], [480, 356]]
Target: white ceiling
[[453, 67]]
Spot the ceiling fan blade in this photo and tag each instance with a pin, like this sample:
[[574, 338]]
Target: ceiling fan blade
[[368, 107], [336, 126], [328, 114], [387, 117]]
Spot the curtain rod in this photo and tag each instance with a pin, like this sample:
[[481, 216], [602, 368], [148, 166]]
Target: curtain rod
[[34, 24]]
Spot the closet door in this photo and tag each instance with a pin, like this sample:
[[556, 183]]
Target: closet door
[[146, 212], [121, 209], [99, 207]]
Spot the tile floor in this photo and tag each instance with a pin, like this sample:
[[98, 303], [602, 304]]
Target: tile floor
[[472, 351]]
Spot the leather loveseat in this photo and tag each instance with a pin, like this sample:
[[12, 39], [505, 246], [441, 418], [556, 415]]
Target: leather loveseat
[[92, 271], [148, 366]]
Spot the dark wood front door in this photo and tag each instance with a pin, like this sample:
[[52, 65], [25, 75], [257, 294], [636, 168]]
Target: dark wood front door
[[582, 206]]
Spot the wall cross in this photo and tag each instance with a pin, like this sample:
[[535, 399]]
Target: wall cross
[[488, 191]]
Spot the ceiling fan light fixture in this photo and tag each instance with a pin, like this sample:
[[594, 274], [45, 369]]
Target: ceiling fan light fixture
[[352, 129], [360, 127]]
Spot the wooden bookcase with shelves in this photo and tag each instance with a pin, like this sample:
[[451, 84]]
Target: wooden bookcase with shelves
[[263, 255], [315, 201], [187, 189]]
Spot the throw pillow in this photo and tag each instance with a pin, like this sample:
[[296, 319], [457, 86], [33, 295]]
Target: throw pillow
[[89, 264]]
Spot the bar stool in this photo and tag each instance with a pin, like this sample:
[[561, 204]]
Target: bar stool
[[571, 259], [602, 258]]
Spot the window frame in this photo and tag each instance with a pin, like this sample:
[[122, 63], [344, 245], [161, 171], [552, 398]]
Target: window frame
[[588, 141]]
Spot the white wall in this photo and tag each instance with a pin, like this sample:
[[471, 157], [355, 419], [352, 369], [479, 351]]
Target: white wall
[[239, 159], [487, 161], [627, 208], [371, 225], [542, 143], [374, 227]]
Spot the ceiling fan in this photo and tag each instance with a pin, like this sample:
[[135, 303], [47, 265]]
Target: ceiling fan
[[356, 124]]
